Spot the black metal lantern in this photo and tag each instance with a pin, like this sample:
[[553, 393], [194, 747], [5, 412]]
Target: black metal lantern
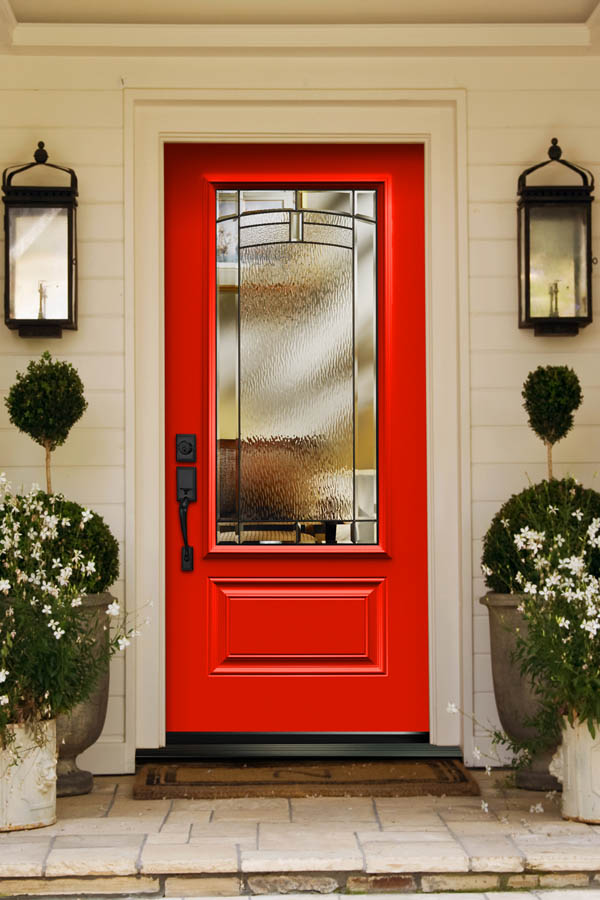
[[555, 251], [40, 292]]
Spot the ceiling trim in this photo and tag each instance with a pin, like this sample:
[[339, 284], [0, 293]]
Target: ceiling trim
[[249, 37]]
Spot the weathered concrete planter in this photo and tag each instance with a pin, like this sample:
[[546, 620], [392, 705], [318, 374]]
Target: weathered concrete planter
[[515, 698], [28, 779], [576, 764], [79, 729]]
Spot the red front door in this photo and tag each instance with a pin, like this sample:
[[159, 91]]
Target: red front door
[[295, 353]]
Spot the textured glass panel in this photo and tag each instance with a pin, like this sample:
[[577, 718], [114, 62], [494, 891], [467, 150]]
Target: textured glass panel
[[227, 533], [334, 201], [251, 200], [326, 234], [264, 218], [264, 234], [365, 533], [296, 399], [227, 241], [365, 387], [38, 263], [328, 219], [268, 533], [227, 370], [365, 203], [227, 203], [558, 261]]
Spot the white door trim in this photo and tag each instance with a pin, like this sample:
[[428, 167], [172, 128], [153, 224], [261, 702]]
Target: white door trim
[[435, 118]]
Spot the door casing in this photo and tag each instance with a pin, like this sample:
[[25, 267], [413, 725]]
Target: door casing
[[437, 118]]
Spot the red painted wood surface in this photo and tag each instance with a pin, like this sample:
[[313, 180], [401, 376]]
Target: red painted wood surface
[[224, 620]]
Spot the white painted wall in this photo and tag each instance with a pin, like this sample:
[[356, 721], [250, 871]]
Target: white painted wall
[[515, 105]]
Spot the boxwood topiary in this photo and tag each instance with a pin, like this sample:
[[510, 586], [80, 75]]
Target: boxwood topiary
[[551, 394], [45, 402], [563, 509]]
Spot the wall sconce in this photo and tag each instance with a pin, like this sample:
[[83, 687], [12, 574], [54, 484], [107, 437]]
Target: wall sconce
[[555, 251], [40, 292]]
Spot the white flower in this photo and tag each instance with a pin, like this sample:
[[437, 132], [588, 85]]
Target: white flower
[[537, 808], [76, 601], [58, 633], [4, 700], [123, 642], [577, 515], [46, 609], [4, 585], [113, 609], [486, 569], [553, 509], [56, 563], [476, 753], [452, 708], [3, 675], [505, 522], [86, 516], [89, 567], [484, 806], [488, 770]]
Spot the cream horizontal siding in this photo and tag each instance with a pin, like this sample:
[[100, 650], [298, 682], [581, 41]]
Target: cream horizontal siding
[[510, 130], [82, 129]]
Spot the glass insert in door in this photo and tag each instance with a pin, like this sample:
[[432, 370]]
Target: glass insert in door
[[296, 367]]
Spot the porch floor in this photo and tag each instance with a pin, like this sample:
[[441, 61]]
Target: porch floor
[[108, 843]]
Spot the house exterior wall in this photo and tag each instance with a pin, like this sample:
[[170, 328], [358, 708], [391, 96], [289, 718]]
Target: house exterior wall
[[514, 106]]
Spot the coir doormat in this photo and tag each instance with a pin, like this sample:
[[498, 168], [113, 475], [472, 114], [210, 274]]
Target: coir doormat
[[305, 778]]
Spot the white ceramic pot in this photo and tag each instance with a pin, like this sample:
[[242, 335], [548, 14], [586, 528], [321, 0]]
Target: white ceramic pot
[[28, 779], [577, 764]]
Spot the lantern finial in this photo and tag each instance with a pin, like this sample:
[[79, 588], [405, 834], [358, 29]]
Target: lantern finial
[[554, 151], [40, 154]]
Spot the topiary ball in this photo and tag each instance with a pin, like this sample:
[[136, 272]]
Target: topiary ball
[[551, 394], [46, 401]]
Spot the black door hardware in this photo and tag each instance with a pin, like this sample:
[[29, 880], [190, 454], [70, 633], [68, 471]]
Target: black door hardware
[[185, 448], [186, 494]]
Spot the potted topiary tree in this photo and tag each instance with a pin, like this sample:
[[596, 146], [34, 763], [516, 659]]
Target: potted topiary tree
[[45, 402], [558, 508]]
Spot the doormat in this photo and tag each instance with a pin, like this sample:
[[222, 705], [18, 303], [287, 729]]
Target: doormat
[[305, 778]]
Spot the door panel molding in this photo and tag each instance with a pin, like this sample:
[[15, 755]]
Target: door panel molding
[[435, 118]]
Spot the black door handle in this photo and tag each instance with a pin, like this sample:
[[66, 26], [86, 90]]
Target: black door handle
[[186, 494]]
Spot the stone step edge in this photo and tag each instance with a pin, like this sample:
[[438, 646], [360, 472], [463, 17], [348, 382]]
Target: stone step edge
[[233, 885]]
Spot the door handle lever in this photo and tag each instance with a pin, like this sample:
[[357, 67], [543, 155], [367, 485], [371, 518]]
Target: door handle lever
[[186, 494]]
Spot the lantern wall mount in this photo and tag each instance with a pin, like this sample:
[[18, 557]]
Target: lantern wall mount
[[40, 286], [555, 251]]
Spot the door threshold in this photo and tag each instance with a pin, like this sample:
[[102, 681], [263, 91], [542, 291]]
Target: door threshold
[[232, 745]]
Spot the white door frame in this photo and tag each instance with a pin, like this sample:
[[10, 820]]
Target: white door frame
[[435, 118]]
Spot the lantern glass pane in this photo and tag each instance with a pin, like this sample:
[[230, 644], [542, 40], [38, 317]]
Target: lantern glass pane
[[39, 263], [558, 274]]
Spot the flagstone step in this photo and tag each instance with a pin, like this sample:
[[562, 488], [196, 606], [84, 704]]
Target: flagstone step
[[108, 843]]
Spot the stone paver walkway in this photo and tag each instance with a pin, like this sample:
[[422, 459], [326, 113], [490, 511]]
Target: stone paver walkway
[[109, 843]]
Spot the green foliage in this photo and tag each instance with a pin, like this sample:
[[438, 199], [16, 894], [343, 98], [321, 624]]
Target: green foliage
[[46, 401], [549, 507], [91, 535], [551, 394]]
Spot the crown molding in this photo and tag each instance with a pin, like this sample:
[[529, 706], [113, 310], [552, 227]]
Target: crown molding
[[287, 37]]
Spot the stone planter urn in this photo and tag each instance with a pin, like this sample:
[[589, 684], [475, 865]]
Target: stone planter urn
[[515, 698], [28, 778], [79, 729], [576, 764]]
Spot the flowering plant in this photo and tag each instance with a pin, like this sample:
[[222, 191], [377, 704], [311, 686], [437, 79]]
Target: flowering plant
[[555, 569], [49, 658]]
